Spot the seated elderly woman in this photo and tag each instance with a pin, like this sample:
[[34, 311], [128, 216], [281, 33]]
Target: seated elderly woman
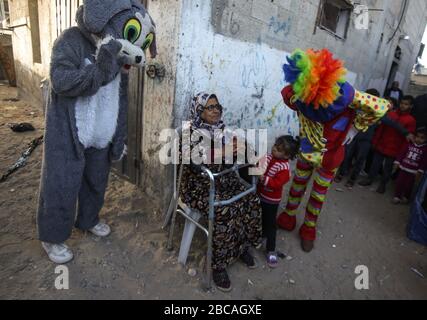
[[237, 226]]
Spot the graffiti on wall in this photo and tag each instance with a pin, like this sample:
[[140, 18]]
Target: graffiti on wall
[[272, 26], [279, 29], [260, 81], [253, 70], [246, 75]]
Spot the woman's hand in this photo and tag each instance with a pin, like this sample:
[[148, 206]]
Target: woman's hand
[[235, 147]]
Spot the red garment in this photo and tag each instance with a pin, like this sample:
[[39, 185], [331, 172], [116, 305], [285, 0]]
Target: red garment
[[334, 132], [389, 141], [276, 176], [413, 159], [404, 185]]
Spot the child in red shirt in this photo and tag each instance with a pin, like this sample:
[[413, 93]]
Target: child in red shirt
[[270, 188], [389, 142], [412, 163]]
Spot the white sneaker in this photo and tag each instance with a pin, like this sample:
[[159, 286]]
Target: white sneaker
[[396, 200], [58, 253], [101, 230]]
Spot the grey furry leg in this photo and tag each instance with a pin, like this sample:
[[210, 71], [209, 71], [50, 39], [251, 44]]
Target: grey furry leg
[[92, 190], [57, 200]]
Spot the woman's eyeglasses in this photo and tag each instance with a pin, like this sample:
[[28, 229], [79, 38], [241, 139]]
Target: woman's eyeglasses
[[214, 106]]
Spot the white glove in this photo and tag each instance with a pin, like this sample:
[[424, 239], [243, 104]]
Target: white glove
[[350, 135], [124, 153]]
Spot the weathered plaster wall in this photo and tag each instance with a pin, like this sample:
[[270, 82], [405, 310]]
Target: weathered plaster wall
[[413, 25], [287, 24], [236, 48], [29, 74], [159, 99], [7, 67], [246, 76]]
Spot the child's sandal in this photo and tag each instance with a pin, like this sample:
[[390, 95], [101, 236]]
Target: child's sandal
[[272, 260]]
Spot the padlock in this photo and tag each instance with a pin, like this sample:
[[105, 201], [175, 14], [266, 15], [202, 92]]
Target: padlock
[[156, 70]]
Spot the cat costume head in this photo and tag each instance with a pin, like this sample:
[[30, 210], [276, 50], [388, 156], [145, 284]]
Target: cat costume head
[[126, 21]]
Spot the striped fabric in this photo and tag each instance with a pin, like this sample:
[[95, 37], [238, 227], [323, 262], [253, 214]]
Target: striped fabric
[[276, 174], [322, 181]]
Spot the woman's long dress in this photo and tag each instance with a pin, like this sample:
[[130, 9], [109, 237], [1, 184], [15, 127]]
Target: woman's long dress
[[236, 226]]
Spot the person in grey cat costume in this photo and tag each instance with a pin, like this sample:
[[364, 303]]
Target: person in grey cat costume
[[86, 116]]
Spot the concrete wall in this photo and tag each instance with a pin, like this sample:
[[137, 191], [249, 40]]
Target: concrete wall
[[236, 48], [245, 75], [414, 26], [288, 24], [159, 100], [30, 73], [7, 68]]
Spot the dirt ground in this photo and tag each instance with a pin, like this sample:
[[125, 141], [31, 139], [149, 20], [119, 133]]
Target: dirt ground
[[357, 227]]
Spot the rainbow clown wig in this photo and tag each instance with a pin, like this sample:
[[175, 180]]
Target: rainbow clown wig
[[315, 77]]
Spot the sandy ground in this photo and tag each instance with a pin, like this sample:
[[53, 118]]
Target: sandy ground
[[357, 227]]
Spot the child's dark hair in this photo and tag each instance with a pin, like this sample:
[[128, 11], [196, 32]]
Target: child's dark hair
[[410, 99], [394, 101], [373, 92], [422, 131], [288, 144]]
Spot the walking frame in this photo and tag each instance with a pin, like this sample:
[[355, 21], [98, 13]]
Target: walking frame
[[192, 216]]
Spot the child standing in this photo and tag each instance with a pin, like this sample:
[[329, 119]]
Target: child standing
[[359, 148], [270, 189], [388, 143], [412, 163]]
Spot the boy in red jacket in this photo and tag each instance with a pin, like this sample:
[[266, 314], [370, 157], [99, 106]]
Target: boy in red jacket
[[412, 163], [388, 143], [270, 189]]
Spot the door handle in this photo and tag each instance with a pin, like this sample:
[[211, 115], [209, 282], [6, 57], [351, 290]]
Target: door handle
[[156, 70]]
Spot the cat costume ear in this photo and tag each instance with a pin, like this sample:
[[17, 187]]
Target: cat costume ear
[[153, 45], [97, 13]]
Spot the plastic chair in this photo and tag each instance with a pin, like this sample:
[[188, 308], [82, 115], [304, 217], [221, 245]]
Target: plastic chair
[[192, 216]]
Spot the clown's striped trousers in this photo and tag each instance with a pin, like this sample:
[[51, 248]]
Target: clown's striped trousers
[[322, 181]]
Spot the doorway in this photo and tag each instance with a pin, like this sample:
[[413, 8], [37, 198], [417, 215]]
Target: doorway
[[394, 68], [130, 168]]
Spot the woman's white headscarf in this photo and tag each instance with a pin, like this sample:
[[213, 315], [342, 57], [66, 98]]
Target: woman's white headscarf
[[197, 107]]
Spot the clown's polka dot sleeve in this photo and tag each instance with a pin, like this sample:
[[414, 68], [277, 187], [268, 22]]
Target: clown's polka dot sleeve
[[370, 109]]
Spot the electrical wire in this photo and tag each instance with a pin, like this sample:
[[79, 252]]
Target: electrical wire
[[400, 21]]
